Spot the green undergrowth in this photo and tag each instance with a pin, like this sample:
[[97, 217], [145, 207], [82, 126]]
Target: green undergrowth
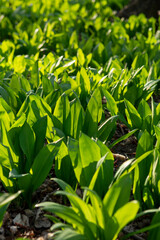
[[58, 60]]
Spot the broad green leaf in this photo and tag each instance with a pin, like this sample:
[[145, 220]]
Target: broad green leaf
[[105, 173], [81, 57], [97, 205], [5, 157], [84, 157], [9, 184], [47, 85], [76, 119], [25, 84], [146, 115], [4, 118], [52, 97], [118, 195], [24, 183], [139, 60], [144, 109], [142, 169], [138, 160], [111, 104], [6, 141], [27, 143], [35, 75], [73, 150], [35, 107], [40, 128], [148, 198], [7, 108], [106, 128], [95, 176], [85, 212], [133, 117], [93, 114], [12, 99], [15, 84], [63, 166], [122, 217], [61, 113], [89, 156], [4, 94], [19, 64], [84, 81], [42, 163], [13, 135]]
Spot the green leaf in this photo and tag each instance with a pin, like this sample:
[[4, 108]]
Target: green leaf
[[122, 217], [93, 114], [89, 156], [25, 84], [42, 163], [63, 166], [47, 85], [35, 75], [8, 109], [9, 184], [117, 195], [98, 206], [138, 160], [142, 169], [24, 183], [111, 104], [5, 156], [122, 138], [61, 113], [106, 128], [13, 135], [148, 198], [144, 109], [80, 56], [84, 157], [84, 81], [19, 64], [133, 117], [76, 119], [85, 212], [27, 143], [40, 128]]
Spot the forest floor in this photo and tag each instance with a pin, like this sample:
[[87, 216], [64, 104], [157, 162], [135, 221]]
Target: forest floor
[[32, 224]]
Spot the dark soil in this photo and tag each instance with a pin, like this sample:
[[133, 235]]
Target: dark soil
[[151, 8]]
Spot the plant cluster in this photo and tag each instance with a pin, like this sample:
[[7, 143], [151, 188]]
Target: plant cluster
[[58, 60]]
